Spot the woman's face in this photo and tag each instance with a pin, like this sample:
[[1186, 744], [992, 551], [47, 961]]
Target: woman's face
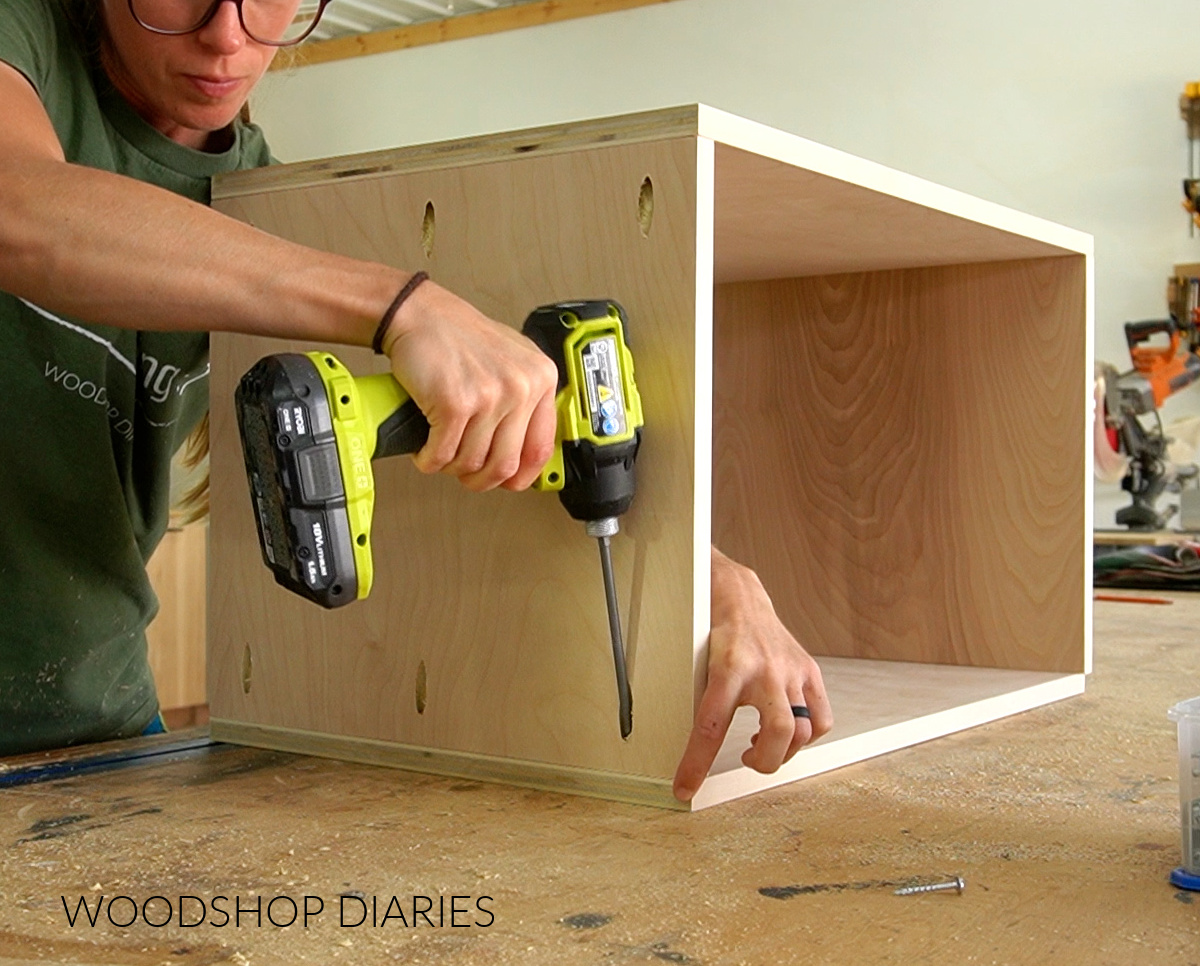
[[189, 86]]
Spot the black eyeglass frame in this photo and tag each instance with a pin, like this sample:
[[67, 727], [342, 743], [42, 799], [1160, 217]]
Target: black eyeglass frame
[[212, 12]]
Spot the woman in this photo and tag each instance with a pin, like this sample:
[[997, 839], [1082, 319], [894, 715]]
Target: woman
[[118, 112]]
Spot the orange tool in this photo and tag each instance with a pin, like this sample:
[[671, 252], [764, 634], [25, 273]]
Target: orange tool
[[1164, 367]]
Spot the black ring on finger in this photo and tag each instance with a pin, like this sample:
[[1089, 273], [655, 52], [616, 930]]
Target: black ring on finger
[[800, 711]]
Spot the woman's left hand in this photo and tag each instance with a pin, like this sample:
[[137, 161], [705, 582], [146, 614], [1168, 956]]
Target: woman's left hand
[[752, 660]]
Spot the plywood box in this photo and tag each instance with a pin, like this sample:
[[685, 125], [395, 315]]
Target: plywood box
[[872, 389]]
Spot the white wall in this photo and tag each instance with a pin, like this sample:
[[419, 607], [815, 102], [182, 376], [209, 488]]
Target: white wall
[[1062, 108]]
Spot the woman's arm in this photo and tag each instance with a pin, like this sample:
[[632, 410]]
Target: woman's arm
[[115, 251]]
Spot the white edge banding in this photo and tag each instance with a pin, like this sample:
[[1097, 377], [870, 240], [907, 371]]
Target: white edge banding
[[826, 756], [703, 414], [738, 132], [1089, 486]]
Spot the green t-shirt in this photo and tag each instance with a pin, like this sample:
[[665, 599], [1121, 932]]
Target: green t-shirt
[[90, 416]]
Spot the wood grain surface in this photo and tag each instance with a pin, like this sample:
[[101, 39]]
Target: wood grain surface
[[778, 220], [498, 596], [1064, 823], [656, 125], [900, 456]]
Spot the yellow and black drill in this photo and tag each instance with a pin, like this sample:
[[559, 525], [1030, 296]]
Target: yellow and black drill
[[310, 429]]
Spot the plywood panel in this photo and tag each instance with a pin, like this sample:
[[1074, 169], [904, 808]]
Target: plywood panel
[[785, 206], [499, 595], [776, 220], [899, 455], [660, 125], [882, 706]]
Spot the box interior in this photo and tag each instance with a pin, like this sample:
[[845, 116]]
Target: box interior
[[898, 403], [898, 454]]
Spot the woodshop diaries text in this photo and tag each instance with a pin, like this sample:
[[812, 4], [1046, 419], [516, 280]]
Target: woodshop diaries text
[[280, 912]]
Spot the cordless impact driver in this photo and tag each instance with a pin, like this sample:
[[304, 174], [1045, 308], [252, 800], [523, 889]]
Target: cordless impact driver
[[310, 430]]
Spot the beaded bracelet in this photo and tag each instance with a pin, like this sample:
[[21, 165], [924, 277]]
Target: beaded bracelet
[[404, 293]]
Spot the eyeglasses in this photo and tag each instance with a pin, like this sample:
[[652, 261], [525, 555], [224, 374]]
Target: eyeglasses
[[276, 23]]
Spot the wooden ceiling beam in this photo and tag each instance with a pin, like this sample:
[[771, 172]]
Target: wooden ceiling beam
[[451, 28]]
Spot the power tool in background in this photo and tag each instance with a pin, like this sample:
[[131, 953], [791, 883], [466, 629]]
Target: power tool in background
[[1130, 443], [310, 429], [1159, 371], [1189, 110]]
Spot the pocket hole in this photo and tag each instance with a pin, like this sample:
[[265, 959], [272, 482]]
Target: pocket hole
[[421, 685], [428, 225], [645, 212], [247, 670]]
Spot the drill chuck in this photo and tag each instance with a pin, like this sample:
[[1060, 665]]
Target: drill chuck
[[600, 477]]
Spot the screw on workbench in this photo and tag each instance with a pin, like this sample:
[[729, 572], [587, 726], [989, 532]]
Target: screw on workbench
[[957, 885]]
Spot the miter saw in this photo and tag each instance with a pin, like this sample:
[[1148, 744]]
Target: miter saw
[[1130, 443]]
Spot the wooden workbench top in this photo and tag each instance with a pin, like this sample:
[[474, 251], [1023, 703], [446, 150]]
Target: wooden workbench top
[[1063, 821]]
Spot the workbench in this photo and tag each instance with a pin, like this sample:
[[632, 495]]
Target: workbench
[[1063, 821]]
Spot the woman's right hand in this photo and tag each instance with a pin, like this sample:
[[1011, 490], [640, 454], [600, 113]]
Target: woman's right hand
[[486, 390]]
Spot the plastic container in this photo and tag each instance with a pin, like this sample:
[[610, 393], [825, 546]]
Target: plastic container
[[1186, 714]]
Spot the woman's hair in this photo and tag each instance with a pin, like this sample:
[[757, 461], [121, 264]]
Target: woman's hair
[[193, 503]]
